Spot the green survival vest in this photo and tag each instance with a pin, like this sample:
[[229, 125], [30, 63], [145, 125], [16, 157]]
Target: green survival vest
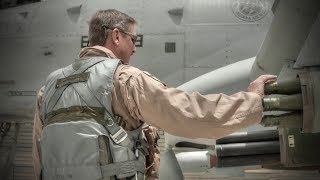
[[81, 139]]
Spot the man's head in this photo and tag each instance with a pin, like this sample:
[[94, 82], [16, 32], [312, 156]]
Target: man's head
[[115, 31]]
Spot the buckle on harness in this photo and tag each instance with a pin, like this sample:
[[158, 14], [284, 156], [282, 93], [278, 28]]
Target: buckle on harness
[[119, 136], [141, 146]]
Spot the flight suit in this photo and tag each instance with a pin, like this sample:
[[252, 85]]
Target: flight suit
[[139, 97]]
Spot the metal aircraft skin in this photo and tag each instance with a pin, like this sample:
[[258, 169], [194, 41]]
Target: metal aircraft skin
[[179, 41], [291, 106]]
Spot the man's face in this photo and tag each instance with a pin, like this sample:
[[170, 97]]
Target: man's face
[[127, 44]]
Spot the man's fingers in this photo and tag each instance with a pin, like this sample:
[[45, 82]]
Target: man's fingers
[[267, 78], [257, 85], [270, 81]]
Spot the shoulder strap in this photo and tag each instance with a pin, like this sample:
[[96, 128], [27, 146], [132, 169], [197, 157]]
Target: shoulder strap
[[117, 133]]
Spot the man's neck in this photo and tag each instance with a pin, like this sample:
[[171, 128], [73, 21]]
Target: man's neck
[[96, 51]]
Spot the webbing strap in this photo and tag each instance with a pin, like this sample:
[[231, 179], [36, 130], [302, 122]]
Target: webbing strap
[[54, 99], [58, 92], [83, 90], [117, 133], [123, 169]]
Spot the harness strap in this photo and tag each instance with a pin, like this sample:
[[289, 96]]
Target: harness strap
[[123, 169], [117, 133], [142, 146], [60, 89], [82, 89], [75, 113]]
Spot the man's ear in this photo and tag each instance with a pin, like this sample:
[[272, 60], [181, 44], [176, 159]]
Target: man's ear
[[115, 36]]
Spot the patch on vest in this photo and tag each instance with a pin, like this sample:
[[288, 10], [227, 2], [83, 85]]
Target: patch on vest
[[82, 77], [250, 10]]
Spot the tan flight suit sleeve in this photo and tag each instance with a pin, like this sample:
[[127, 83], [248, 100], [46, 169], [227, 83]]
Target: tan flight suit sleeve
[[37, 129], [183, 114]]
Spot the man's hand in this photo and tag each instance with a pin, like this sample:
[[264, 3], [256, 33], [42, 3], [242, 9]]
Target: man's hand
[[257, 86]]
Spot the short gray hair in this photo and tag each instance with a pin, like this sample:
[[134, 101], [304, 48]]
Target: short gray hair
[[104, 20]]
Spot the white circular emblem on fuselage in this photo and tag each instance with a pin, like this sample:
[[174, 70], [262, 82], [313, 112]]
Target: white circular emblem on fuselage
[[250, 10]]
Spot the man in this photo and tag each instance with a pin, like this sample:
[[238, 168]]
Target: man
[[136, 97]]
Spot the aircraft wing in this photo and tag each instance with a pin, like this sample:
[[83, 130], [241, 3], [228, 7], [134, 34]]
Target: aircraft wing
[[291, 51], [288, 37]]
